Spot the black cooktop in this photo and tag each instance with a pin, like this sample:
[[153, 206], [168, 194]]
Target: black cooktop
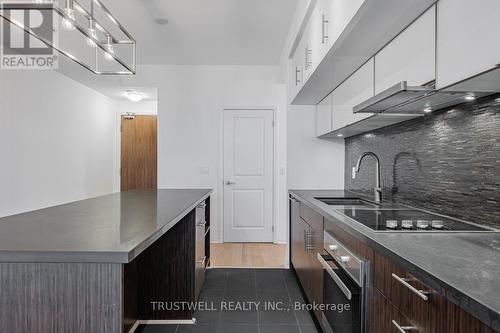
[[407, 220]]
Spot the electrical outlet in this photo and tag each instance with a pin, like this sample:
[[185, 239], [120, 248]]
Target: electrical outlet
[[203, 170], [353, 172]]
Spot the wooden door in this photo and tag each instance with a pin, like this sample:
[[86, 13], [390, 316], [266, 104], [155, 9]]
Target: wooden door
[[138, 153]]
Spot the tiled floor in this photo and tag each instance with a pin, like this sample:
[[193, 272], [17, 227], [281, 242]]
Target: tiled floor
[[276, 286], [251, 255]]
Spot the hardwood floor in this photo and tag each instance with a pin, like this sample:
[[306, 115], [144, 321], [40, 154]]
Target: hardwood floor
[[252, 255]]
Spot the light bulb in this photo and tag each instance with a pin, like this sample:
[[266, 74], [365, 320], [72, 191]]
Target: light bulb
[[108, 55], [90, 42], [92, 32], [68, 24]]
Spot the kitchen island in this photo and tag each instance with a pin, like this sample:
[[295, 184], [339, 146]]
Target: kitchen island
[[97, 265]]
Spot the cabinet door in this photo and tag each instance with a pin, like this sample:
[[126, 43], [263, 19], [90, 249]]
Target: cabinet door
[[356, 89], [410, 56], [315, 267], [299, 255], [467, 39], [337, 13], [324, 116], [386, 317]]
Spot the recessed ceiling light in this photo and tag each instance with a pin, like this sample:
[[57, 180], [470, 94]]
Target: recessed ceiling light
[[134, 96], [340, 135], [427, 110], [470, 98], [161, 21]]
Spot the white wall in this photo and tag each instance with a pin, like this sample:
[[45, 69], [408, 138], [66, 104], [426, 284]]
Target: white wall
[[312, 163], [144, 107], [190, 104], [57, 141]]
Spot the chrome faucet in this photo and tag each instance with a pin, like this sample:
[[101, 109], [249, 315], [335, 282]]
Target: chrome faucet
[[377, 189]]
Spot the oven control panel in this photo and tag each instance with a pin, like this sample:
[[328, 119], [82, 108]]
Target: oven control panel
[[345, 258]]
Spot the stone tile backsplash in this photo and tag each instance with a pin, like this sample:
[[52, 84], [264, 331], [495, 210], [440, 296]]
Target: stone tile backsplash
[[448, 162]]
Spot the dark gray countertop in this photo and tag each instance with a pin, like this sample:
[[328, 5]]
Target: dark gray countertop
[[111, 228], [463, 267]]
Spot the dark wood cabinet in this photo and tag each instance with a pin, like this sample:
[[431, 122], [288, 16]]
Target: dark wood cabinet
[[394, 296], [434, 314], [306, 238], [298, 238], [386, 317], [166, 272]]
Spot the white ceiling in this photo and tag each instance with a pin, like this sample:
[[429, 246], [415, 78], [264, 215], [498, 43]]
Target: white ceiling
[[206, 32]]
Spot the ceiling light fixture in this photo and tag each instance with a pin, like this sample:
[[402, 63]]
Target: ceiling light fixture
[[71, 14], [470, 98], [134, 96], [340, 135], [427, 110]]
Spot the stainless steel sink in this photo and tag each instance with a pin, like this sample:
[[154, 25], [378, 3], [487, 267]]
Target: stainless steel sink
[[347, 202]]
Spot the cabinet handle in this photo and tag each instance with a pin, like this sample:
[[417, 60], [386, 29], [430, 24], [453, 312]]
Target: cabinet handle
[[404, 329], [308, 53], [324, 29], [202, 260], [308, 236], [420, 293], [298, 72]]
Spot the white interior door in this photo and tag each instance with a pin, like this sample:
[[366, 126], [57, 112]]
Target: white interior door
[[248, 175]]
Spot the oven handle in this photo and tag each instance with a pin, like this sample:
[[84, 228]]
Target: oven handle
[[335, 277]]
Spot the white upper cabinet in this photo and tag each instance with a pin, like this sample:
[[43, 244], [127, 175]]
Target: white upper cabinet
[[410, 56], [467, 38], [324, 118], [334, 15], [356, 89]]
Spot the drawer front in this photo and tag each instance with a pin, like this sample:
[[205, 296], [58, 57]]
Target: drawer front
[[200, 211], [410, 296], [387, 318]]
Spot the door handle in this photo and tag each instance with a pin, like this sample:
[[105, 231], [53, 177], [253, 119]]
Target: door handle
[[228, 182]]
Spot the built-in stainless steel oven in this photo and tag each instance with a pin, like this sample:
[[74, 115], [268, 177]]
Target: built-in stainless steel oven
[[344, 282]]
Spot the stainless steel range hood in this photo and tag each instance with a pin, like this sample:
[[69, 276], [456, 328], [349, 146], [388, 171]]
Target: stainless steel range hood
[[404, 99]]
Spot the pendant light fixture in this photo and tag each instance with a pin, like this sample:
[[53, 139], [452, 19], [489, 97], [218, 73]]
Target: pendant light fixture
[[109, 54], [68, 22], [96, 34], [92, 32]]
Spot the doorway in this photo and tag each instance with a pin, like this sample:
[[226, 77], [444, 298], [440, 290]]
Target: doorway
[[248, 175], [138, 162]]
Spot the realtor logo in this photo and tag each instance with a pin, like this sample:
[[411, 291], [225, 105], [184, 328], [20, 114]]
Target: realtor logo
[[19, 49]]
